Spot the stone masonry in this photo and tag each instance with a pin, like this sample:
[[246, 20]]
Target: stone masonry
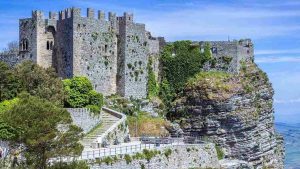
[[113, 53], [228, 55]]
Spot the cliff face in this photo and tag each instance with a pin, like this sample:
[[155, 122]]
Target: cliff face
[[234, 111]]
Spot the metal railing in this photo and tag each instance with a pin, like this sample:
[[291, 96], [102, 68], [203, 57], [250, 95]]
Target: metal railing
[[156, 144]]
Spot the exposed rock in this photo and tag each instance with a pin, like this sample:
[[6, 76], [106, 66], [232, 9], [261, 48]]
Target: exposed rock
[[235, 164], [234, 111]]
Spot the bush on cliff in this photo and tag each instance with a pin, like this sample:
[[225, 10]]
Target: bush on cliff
[[80, 93]]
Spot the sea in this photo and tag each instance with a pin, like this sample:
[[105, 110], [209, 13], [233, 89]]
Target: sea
[[291, 134]]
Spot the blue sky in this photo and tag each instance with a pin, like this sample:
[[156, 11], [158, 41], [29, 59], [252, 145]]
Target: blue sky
[[273, 25]]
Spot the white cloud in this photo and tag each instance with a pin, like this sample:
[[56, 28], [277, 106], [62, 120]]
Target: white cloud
[[272, 52], [287, 101], [277, 59], [220, 22]]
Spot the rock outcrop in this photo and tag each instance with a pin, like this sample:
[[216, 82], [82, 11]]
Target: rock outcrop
[[236, 112]]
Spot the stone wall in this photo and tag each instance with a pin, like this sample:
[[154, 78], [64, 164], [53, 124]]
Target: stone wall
[[12, 59], [83, 118], [228, 55], [180, 157], [95, 52], [134, 54]]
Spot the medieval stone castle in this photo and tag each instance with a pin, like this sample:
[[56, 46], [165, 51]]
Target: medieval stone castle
[[113, 53]]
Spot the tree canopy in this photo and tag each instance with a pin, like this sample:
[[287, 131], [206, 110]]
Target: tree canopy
[[45, 130], [80, 93]]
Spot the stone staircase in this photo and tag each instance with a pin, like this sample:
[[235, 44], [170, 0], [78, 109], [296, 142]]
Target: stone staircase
[[108, 121]]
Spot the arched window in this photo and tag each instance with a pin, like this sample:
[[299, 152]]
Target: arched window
[[24, 45]]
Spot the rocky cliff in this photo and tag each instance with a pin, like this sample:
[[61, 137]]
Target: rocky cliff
[[236, 112]]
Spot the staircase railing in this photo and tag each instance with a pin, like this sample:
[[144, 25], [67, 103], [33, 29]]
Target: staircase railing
[[122, 117]]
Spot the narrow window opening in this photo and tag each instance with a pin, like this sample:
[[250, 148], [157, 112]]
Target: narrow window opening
[[51, 45], [48, 45], [105, 48]]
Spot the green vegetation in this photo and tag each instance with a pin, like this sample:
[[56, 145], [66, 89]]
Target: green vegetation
[[220, 152], [128, 159], [181, 60], [72, 165], [152, 86], [41, 137], [32, 79], [80, 93], [143, 124], [168, 152], [149, 154]]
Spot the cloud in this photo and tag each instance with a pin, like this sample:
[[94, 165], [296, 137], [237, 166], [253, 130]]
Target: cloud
[[219, 22], [277, 59], [272, 52], [287, 101]]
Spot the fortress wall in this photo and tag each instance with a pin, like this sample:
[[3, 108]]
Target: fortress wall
[[134, 55], [95, 52], [63, 58]]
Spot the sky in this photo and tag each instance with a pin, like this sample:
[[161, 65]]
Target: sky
[[273, 26]]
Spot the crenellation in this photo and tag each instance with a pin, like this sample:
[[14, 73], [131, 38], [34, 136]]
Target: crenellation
[[90, 13], [76, 12], [101, 15], [62, 15], [53, 15], [37, 15]]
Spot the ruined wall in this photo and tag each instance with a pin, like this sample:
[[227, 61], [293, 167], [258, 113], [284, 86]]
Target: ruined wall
[[229, 54], [27, 33], [134, 53]]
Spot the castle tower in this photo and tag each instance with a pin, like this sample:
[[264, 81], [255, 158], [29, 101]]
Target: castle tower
[[37, 38], [133, 58]]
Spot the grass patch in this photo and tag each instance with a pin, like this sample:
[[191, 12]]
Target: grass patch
[[143, 124]]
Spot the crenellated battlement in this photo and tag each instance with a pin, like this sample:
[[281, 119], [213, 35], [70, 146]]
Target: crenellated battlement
[[99, 47]]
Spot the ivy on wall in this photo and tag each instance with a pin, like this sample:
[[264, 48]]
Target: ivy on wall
[[182, 60], [152, 86]]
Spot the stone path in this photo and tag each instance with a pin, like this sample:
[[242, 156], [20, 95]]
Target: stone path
[[107, 121]]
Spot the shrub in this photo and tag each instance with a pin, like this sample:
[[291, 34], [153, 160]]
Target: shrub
[[168, 152], [72, 165], [220, 152], [128, 158]]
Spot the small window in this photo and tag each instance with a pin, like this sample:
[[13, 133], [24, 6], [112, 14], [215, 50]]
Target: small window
[[105, 48], [48, 45]]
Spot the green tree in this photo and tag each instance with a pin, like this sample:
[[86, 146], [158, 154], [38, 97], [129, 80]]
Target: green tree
[[46, 130], [80, 93], [9, 83], [40, 82], [207, 53]]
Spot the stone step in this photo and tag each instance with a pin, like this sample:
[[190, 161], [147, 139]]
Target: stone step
[[107, 121]]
